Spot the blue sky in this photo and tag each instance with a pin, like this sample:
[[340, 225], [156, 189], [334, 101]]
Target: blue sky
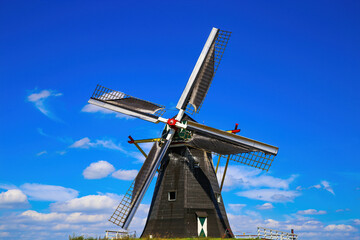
[[289, 77]]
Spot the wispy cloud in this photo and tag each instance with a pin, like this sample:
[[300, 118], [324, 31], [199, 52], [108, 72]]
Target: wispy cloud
[[41, 153], [324, 185], [236, 207], [60, 139], [311, 212], [327, 187], [270, 195], [90, 108], [39, 100], [343, 210], [87, 143]]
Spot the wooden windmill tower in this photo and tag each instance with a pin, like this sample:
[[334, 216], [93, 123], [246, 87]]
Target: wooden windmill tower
[[187, 198]]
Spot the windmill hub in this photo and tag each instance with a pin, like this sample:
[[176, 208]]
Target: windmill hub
[[187, 198], [172, 122]]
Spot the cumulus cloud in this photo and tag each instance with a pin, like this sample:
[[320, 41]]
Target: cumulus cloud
[[89, 220], [86, 143], [270, 195], [98, 170], [43, 192], [89, 203], [90, 108], [125, 174], [306, 228], [42, 217], [311, 212], [39, 101], [76, 217], [265, 206], [239, 176], [340, 227], [13, 198]]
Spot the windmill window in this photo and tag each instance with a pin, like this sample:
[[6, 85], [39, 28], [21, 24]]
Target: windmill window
[[196, 164], [171, 196], [218, 197]]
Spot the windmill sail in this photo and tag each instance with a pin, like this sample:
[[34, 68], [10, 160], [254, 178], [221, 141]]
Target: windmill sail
[[198, 140], [213, 141], [126, 104], [131, 201], [247, 144], [204, 71]]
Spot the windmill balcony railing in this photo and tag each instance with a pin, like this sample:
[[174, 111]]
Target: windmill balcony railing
[[267, 233]]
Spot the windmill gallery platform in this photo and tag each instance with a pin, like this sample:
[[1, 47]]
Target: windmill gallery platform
[[187, 199]]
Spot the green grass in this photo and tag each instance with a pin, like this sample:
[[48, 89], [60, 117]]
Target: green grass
[[100, 238]]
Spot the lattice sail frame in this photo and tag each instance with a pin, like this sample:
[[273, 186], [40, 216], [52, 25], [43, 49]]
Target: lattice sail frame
[[122, 211], [221, 42], [105, 94], [256, 159]]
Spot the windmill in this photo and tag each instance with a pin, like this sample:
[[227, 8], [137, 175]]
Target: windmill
[[187, 198]]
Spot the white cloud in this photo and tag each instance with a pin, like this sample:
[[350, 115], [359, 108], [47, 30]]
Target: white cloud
[[86, 143], [13, 198], [90, 108], [76, 217], [324, 185], [327, 187], [41, 153], [125, 174], [4, 234], [139, 156], [85, 216], [311, 212], [89, 203], [356, 221], [317, 186], [98, 170], [270, 195], [265, 206], [239, 176], [306, 227], [43, 192], [343, 210], [340, 228], [236, 207], [82, 143], [39, 101], [43, 217]]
